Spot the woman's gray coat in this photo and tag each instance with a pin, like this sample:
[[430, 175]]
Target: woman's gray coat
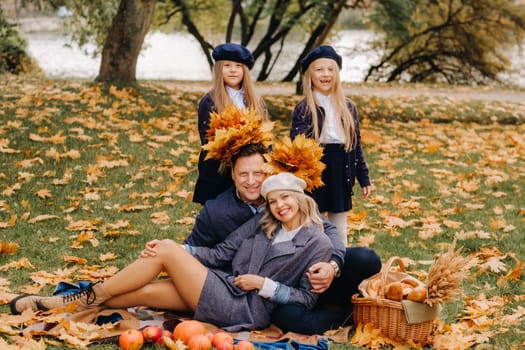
[[250, 252]]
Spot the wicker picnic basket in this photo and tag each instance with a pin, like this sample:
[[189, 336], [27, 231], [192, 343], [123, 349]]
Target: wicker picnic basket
[[386, 314]]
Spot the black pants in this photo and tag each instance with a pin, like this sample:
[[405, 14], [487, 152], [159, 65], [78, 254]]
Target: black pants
[[334, 307]]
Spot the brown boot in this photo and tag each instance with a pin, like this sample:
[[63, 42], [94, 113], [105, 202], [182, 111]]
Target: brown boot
[[90, 297], [23, 302]]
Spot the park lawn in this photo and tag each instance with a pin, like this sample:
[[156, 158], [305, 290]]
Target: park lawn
[[90, 172]]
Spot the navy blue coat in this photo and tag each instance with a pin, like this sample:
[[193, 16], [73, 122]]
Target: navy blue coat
[[250, 252], [209, 182], [218, 218], [226, 213], [352, 163]]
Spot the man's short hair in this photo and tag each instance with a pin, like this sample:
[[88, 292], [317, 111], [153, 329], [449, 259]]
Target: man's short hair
[[248, 150]]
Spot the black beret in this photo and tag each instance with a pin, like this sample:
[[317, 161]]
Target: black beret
[[233, 52], [323, 51]]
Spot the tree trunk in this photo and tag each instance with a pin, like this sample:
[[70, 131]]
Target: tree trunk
[[125, 39], [318, 36]]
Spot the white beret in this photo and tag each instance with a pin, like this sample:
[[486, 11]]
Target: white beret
[[282, 181]]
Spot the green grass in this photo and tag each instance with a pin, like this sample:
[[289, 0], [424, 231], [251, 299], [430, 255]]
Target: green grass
[[135, 155]]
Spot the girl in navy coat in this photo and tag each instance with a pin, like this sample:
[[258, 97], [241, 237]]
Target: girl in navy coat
[[269, 258], [326, 115], [232, 84]]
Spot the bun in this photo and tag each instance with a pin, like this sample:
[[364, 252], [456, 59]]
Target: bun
[[394, 291], [410, 282], [418, 294]]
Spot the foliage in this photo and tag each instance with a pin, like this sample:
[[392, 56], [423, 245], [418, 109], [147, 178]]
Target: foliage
[[452, 41], [261, 25], [13, 56], [90, 172], [90, 21]]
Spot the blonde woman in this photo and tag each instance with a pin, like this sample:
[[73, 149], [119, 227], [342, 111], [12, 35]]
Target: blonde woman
[[326, 115], [232, 84], [269, 258]]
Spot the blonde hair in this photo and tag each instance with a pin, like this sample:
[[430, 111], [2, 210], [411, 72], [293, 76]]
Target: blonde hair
[[220, 95], [307, 208], [340, 106]]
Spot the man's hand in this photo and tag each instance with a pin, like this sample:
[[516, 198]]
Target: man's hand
[[321, 275], [249, 282]]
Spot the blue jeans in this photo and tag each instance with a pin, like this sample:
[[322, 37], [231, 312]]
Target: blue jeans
[[334, 307]]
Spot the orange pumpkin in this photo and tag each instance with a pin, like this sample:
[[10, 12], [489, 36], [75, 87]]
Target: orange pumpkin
[[186, 329]]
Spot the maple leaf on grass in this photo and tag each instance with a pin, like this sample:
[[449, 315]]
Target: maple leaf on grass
[[134, 207], [57, 139], [366, 240], [8, 247], [41, 218], [11, 190], [160, 218], [186, 221], [74, 259], [22, 263], [107, 257], [10, 223]]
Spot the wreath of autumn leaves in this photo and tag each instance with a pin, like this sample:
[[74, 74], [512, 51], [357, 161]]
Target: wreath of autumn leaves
[[301, 157], [234, 128]]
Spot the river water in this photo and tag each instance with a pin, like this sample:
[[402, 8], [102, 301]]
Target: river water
[[178, 56]]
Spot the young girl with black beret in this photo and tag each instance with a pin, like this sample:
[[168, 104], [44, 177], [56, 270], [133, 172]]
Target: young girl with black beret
[[326, 115], [232, 84]]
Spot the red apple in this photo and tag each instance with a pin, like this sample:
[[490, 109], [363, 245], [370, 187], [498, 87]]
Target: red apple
[[199, 342], [224, 345], [131, 339], [244, 345], [220, 337], [152, 333], [165, 333]]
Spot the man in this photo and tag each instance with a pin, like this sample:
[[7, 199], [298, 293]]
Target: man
[[243, 203]]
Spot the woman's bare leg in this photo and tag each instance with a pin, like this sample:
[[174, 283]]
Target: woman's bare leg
[[135, 286], [187, 275], [157, 294]]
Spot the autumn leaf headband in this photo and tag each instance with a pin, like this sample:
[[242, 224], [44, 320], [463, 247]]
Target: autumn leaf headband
[[301, 157], [235, 128]]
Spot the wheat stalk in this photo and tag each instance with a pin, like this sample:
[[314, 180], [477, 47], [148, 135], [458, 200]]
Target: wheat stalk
[[446, 275]]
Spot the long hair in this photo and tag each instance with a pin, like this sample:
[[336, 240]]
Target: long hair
[[221, 98], [340, 107], [307, 209]]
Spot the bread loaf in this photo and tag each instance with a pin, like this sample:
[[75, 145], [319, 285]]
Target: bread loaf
[[394, 291], [418, 294]]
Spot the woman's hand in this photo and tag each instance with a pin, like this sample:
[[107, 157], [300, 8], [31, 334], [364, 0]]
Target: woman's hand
[[320, 275], [149, 250], [249, 282]]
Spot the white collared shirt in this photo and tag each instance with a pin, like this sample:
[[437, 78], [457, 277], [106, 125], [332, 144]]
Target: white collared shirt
[[332, 128], [237, 97]]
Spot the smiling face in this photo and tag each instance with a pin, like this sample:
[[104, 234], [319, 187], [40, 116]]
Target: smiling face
[[323, 75], [232, 74], [284, 206], [248, 177]]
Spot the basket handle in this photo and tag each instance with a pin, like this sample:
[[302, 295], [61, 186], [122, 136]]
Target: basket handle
[[386, 269]]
